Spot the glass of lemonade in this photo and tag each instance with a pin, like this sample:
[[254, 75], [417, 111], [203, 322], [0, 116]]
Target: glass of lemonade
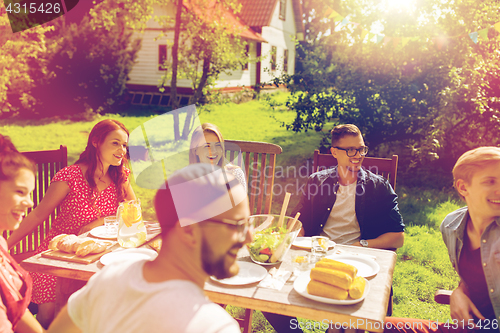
[[319, 247]]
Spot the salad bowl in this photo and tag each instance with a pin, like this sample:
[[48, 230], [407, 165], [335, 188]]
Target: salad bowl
[[271, 242]]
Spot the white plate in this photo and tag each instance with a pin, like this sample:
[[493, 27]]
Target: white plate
[[366, 267], [306, 243], [128, 255], [249, 273], [100, 232], [300, 286]]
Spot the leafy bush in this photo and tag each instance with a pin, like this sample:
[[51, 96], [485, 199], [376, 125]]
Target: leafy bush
[[426, 207], [87, 70]]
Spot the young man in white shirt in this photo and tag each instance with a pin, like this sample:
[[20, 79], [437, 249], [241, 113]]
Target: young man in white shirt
[[204, 221]]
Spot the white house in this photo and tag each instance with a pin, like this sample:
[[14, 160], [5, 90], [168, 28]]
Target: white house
[[270, 28]]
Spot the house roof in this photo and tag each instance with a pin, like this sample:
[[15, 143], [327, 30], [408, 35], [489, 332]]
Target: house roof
[[257, 13], [243, 30]]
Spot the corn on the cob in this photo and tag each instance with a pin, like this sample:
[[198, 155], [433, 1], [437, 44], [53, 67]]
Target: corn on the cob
[[325, 290], [335, 278], [357, 287], [337, 265]]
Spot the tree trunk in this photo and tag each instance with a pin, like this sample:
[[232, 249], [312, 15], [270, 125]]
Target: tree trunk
[[198, 93], [204, 77], [175, 61]]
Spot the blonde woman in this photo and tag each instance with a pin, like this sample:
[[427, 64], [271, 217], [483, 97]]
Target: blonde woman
[[207, 146]]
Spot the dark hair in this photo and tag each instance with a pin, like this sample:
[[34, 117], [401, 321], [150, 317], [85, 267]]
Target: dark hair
[[91, 157], [339, 131], [11, 160]]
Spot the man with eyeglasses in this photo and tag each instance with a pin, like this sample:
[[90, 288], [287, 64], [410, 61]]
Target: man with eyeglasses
[[203, 212], [348, 204]]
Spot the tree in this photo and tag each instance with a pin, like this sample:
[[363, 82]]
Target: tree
[[209, 45], [210, 42], [175, 63], [22, 58], [425, 100], [87, 69]]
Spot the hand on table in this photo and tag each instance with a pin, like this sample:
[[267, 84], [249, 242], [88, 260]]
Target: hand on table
[[91, 225], [462, 308]]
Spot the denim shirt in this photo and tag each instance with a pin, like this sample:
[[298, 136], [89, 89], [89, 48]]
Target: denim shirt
[[376, 203], [453, 229]]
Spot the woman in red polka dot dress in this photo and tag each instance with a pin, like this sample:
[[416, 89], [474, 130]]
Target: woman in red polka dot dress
[[87, 191]]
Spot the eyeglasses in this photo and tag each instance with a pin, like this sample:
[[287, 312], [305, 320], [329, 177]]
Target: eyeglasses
[[241, 226], [351, 152]]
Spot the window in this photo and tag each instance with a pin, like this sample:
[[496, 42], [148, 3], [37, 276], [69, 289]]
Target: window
[[283, 10], [162, 56], [285, 61], [273, 58], [247, 52]]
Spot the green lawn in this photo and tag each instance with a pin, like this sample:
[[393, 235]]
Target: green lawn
[[422, 265]]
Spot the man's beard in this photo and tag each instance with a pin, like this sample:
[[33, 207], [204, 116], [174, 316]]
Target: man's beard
[[217, 266]]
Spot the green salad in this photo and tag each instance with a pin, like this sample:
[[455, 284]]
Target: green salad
[[266, 242]]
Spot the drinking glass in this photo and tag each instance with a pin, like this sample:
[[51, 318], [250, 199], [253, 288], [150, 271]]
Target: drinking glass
[[319, 247], [300, 262], [111, 225]]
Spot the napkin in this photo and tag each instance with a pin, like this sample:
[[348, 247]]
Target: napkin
[[275, 279]]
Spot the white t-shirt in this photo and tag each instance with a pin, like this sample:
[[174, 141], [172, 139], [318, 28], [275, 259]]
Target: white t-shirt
[[342, 225], [118, 299]]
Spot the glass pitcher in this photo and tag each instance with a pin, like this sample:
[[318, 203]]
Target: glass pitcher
[[131, 229]]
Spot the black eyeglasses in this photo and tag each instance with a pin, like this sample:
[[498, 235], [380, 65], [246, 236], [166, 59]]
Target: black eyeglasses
[[242, 226], [351, 152]]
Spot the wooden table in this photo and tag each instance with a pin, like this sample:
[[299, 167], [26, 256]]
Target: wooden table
[[71, 270], [368, 314]]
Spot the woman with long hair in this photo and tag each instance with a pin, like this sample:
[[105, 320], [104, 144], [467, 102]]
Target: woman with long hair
[[17, 181], [86, 192], [207, 146]]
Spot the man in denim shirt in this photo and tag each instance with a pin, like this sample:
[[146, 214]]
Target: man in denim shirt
[[472, 236], [349, 204], [475, 229]]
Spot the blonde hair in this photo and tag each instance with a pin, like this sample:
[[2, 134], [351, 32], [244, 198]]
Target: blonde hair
[[473, 160], [199, 136]]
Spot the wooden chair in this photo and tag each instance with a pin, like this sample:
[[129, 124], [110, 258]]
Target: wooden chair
[[258, 160], [386, 167], [48, 162]]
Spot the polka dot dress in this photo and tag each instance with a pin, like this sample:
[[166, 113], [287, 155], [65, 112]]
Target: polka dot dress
[[78, 209]]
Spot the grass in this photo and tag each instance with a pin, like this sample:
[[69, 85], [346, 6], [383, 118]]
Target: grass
[[422, 266]]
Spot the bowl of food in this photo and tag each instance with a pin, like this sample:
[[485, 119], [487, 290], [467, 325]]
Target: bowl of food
[[272, 238]]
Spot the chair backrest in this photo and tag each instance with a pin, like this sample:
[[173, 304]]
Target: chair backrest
[[386, 167], [258, 160], [48, 162]]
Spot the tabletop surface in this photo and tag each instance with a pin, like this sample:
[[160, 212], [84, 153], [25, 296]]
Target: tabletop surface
[[368, 314]]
